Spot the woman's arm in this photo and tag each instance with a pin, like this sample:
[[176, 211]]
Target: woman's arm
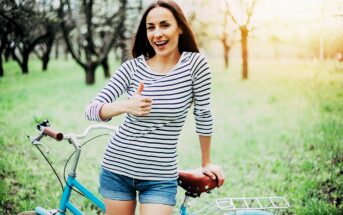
[[137, 105], [203, 117], [208, 168]]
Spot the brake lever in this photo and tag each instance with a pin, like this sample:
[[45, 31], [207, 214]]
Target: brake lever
[[35, 141]]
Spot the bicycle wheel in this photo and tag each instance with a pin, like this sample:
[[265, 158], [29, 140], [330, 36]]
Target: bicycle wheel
[[27, 213]]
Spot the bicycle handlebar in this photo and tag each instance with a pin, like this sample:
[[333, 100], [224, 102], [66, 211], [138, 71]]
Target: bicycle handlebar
[[45, 128], [93, 127], [51, 133]]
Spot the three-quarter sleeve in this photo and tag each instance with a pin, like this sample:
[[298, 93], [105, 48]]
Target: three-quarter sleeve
[[202, 93], [117, 85]]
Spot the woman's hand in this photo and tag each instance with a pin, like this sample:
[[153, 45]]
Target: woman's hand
[[139, 105], [214, 172]]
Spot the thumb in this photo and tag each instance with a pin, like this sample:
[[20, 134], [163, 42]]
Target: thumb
[[140, 88]]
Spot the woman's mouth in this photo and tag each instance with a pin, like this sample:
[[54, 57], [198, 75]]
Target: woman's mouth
[[161, 44]]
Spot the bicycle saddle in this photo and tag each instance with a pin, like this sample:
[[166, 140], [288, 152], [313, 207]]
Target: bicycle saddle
[[195, 182]]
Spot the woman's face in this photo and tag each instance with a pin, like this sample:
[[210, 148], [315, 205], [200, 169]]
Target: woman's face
[[163, 31]]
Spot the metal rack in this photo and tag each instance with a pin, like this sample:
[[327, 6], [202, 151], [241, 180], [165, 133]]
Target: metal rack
[[252, 203]]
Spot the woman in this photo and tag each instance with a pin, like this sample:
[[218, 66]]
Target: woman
[[165, 77]]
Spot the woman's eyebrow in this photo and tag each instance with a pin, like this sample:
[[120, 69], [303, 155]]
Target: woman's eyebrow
[[162, 22]]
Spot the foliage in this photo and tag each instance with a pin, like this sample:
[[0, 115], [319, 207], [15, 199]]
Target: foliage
[[26, 24], [92, 28], [280, 133]]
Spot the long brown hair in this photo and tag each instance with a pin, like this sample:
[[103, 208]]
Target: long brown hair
[[187, 41]]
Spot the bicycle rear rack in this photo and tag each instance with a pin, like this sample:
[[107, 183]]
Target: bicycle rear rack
[[252, 203]]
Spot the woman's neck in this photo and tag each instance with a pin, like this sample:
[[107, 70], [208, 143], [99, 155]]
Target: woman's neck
[[163, 64]]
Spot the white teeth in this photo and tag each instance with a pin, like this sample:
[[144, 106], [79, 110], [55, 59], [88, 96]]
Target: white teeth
[[160, 43]]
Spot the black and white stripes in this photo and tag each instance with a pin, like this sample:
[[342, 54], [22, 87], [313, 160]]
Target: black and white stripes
[[144, 147]]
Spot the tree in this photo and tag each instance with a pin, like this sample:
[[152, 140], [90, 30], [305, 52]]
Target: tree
[[24, 29], [215, 26], [247, 7], [89, 36], [4, 43], [51, 27], [224, 39]]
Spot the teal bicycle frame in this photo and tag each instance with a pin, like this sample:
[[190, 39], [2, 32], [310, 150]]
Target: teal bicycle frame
[[65, 203], [72, 182], [225, 204]]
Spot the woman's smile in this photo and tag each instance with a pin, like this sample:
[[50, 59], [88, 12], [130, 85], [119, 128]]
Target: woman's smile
[[163, 32], [161, 44]]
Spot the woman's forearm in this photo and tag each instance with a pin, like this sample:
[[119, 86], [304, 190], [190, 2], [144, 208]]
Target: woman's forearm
[[205, 146], [109, 110]]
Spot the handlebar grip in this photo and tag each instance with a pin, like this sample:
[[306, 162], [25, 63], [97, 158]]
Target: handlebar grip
[[52, 133]]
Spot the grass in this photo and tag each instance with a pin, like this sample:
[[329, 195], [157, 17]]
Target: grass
[[279, 133]]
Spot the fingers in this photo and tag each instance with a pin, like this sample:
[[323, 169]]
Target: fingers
[[139, 92], [147, 100], [142, 112], [140, 105], [140, 88], [220, 177], [210, 174], [215, 173]]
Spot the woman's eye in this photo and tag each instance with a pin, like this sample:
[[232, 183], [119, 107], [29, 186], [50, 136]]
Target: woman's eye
[[150, 28], [165, 26]]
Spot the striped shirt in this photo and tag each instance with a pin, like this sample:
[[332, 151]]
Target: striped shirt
[[144, 147]]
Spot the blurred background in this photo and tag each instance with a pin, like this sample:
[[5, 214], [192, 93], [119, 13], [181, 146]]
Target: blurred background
[[277, 95], [88, 31]]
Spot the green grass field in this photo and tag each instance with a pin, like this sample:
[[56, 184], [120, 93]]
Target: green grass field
[[279, 133]]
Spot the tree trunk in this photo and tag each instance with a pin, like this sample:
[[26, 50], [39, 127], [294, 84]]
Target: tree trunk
[[244, 35], [25, 64], [45, 62], [46, 55], [1, 68], [226, 54], [2, 47], [90, 74], [8, 52], [56, 49], [106, 68], [66, 51]]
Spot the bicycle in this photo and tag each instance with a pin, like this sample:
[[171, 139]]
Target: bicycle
[[192, 181]]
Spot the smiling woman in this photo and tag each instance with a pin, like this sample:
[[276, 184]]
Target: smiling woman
[[166, 76], [163, 29], [163, 35]]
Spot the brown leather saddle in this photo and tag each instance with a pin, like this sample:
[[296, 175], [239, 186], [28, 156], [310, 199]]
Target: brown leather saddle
[[195, 182]]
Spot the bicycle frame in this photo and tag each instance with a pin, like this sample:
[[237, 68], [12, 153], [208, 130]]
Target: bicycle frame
[[65, 203], [72, 182], [226, 204]]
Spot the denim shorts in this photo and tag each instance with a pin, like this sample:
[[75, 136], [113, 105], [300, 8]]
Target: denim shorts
[[118, 187]]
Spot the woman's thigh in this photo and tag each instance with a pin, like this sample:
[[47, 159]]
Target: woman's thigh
[[115, 207], [157, 197], [155, 209], [119, 196]]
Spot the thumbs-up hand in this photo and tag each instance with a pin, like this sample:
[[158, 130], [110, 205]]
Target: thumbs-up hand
[[140, 88], [139, 105]]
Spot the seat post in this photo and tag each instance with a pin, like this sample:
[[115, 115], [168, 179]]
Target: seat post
[[183, 208]]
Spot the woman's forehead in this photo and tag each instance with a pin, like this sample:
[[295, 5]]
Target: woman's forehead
[[159, 14]]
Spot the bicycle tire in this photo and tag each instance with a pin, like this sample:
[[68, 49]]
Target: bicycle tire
[[27, 213]]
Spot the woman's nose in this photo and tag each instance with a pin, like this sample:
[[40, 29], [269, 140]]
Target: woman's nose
[[157, 32]]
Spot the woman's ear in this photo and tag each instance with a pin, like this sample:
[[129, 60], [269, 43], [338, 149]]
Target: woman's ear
[[180, 31]]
